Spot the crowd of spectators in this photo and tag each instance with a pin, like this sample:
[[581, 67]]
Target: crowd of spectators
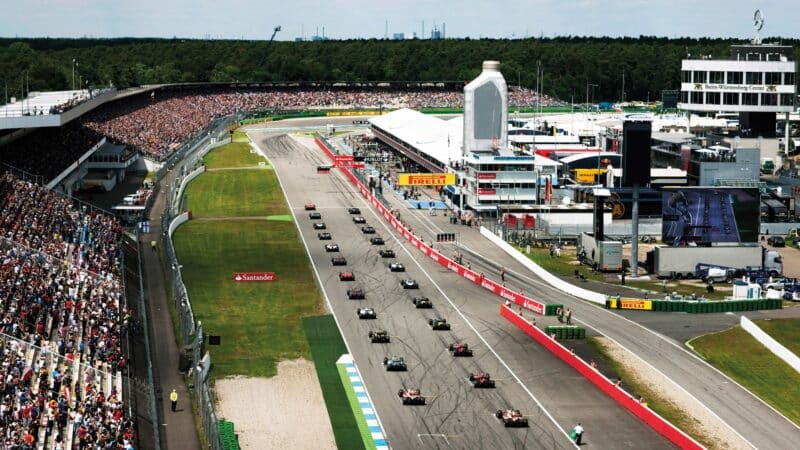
[[156, 123], [47, 152], [62, 320]]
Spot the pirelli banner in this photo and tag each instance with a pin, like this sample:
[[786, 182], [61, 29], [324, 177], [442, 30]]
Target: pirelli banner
[[629, 303], [426, 179]]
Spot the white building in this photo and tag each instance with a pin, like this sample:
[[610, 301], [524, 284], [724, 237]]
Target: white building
[[757, 82]]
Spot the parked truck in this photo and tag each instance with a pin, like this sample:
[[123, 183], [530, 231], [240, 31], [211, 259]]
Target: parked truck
[[682, 262], [605, 256]]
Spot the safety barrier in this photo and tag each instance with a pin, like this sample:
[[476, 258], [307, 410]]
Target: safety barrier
[[566, 331], [548, 277], [227, 435], [475, 277], [675, 435], [694, 307], [768, 341]]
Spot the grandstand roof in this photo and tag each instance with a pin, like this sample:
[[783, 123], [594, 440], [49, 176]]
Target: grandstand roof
[[41, 101], [440, 139]]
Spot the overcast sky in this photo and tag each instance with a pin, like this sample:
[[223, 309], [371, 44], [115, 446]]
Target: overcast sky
[[255, 19]]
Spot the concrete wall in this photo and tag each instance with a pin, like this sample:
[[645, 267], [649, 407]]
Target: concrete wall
[[549, 278], [774, 346], [176, 222]]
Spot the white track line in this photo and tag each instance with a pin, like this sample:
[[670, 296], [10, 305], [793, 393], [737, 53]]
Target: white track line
[[321, 285], [455, 308], [657, 335]]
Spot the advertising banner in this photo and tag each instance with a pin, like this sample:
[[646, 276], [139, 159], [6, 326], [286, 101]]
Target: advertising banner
[[253, 276], [631, 303], [426, 179]]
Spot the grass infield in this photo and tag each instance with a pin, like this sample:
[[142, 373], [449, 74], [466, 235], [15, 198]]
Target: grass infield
[[235, 193], [237, 154], [259, 322], [743, 358], [326, 347]]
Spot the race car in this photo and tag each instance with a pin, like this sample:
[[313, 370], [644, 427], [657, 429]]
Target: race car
[[460, 349], [354, 210], [411, 397], [310, 207], [332, 248], [395, 364], [481, 380], [439, 324], [366, 313], [359, 219], [314, 215], [422, 302], [397, 267], [368, 230], [376, 241], [386, 253], [338, 261], [355, 293], [511, 418], [409, 284], [379, 337], [320, 226], [347, 276], [325, 236]]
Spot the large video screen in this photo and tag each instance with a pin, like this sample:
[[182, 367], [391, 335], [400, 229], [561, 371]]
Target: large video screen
[[708, 215]]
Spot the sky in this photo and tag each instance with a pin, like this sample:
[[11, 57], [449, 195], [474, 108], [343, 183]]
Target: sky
[[346, 19]]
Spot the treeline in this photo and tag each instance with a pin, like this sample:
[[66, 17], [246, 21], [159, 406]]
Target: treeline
[[650, 64]]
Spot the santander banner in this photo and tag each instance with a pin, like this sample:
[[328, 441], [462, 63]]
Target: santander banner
[[254, 276]]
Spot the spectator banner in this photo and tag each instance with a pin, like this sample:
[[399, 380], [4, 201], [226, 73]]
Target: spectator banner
[[631, 303], [254, 276], [426, 179]]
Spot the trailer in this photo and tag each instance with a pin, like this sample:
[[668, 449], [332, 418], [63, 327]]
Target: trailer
[[605, 256], [683, 262]]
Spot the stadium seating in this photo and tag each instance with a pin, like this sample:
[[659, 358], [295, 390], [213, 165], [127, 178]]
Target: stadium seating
[[62, 320]]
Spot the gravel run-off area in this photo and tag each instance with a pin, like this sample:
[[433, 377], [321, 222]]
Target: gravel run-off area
[[283, 412]]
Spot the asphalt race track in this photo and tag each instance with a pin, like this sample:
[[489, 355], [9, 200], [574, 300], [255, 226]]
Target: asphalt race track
[[457, 415]]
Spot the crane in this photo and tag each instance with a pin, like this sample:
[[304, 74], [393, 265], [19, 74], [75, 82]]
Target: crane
[[269, 44]]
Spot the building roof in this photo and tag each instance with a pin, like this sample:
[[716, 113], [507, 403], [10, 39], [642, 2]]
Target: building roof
[[672, 138], [438, 138]]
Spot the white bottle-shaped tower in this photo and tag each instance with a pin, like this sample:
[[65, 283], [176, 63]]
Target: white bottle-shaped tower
[[486, 111]]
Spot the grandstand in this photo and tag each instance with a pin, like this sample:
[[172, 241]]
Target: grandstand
[[63, 323], [154, 122]]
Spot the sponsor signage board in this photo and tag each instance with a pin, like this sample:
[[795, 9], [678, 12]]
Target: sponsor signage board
[[426, 179], [631, 303], [253, 276], [487, 175]]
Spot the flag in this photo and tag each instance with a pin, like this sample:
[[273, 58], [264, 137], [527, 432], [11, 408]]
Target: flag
[[548, 190]]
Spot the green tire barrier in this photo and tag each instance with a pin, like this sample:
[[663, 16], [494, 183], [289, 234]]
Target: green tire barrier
[[716, 306], [550, 310], [566, 331], [227, 436]]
